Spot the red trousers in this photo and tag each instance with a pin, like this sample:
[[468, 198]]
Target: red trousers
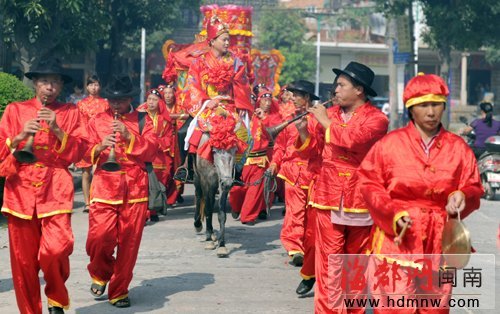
[[292, 231], [308, 267], [334, 239], [414, 288], [249, 200], [114, 227], [44, 244]]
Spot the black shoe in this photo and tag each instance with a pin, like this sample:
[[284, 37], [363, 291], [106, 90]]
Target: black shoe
[[122, 303], [180, 199], [305, 286], [154, 218], [56, 310], [249, 223], [283, 212], [298, 259], [235, 215], [262, 216]]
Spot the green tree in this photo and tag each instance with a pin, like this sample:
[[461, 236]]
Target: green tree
[[12, 89], [129, 16], [463, 25], [38, 28], [284, 30]]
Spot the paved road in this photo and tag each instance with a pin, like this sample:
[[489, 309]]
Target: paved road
[[175, 274]]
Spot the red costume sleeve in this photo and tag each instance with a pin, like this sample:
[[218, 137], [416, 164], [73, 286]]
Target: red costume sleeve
[[6, 132], [144, 146], [357, 137], [165, 136], [373, 187], [280, 148], [74, 144], [313, 145], [470, 182], [241, 87], [196, 92]]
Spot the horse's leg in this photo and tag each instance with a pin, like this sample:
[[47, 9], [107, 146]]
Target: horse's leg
[[222, 250], [199, 207], [209, 200]]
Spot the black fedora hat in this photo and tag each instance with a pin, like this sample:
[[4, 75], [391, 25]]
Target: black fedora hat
[[361, 74], [46, 67], [120, 86], [303, 86]]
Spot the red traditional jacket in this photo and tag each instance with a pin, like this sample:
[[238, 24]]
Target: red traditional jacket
[[397, 178], [164, 132], [90, 106], [261, 151], [291, 165], [209, 77], [44, 188], [130, 184], [336, 153]]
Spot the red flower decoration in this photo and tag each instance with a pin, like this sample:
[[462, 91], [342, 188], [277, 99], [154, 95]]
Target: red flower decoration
[[222, 135], [221, 76]]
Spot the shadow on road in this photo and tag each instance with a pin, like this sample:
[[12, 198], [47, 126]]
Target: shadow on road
[[153, 294], [6, 285]]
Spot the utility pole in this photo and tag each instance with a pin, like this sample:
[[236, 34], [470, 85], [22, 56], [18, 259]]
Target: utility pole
[[318, 55], [143, 63], [393, 77]]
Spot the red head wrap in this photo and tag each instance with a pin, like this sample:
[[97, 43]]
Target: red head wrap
[[215, 28], [425, 88]]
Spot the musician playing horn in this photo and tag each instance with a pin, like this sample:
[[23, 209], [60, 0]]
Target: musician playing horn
[[418, 175], [118, 200], [293, 168], [248, 201], [338, 140], [38, 197]]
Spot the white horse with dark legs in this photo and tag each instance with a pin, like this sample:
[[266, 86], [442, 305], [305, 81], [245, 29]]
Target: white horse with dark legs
[[208, 179]]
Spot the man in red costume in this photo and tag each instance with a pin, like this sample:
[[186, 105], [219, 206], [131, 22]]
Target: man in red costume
[[337, 143], [418, 175], [178, 115], [89, 107], [218, 76], [163, 162], [38, 197], [293, 168], [119, 199], [248, 201]]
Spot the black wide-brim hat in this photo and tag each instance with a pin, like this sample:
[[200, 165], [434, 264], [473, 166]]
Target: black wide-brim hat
[[120, 86], [359, 73], [303, 86], [46, 67]]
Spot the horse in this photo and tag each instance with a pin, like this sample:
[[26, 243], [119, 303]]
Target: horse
[[208, 179]]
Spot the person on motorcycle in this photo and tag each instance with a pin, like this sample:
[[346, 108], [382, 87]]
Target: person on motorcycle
[[483, 127]]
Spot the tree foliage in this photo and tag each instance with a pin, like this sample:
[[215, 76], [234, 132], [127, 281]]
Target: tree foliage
[[12, 89], [455, 24], [39, 28], [284, 30]]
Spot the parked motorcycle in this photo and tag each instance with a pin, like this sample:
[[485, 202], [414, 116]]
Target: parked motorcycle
[[489, 167], [488, 163]]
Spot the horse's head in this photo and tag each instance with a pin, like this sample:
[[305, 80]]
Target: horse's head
[[224, 164], [224, 143]]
